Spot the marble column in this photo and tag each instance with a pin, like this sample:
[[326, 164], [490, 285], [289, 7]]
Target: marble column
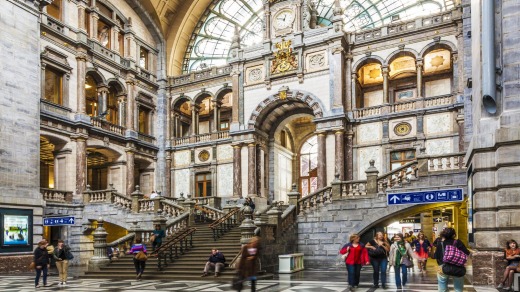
[[340, 154], [350, 154], [237, 170], [354, 91], [460, 123], [194, 125], [115, 38], [121, 107], [94, 17], [81, 59], [384, 71], [348, 81], [81, 16], [42, 81], [102, 100], [81, 165], [130, 169], [130, 102], [251, 166], [216, 108], [336, 72], [419, 77], [322, 160], [258, 170]]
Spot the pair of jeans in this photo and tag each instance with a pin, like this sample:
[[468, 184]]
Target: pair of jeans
[[139, 266], [442, 279], [404, 271], [354, 273], [379, 266], [39, 274]]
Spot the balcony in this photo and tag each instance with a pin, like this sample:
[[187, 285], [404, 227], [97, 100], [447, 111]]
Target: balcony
[[107, 126], [409, 105], [49, 107], [56, 196], [145, 138], [209, 137], [200, 75]]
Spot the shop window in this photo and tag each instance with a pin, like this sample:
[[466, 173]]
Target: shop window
[[144, 120], [53, 86], [399, 158], [112, 106], [224, 125], [54, 9], [143, 58], [91, 96], [203, 188]]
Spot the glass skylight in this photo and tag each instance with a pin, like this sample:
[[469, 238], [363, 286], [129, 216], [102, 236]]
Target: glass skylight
[[210, 42]]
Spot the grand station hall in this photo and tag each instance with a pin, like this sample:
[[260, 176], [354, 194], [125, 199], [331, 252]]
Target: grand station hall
[[275, 133]]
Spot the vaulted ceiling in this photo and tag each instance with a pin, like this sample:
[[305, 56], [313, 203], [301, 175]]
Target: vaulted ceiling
[[177, 20]]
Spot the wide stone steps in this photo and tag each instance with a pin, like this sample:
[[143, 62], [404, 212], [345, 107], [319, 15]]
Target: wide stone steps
[[187, 266]]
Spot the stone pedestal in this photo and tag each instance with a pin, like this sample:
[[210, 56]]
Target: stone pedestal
[[294, 196], [136, 196], [189, 206], [100, 258], [372, 173], [247, 227]]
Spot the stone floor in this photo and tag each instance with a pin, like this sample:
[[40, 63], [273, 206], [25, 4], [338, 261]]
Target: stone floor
[[305, 281]]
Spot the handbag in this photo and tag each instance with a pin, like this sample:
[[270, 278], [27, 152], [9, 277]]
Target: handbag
[[379, 252], [407, 262], [453, 270], [152, 238], [431, 253], [453, 255], [141, 256], [32, 266]]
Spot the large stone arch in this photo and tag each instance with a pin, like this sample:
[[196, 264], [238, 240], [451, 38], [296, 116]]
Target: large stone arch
[[295, 99], [399, 53], [442, 44], [118, 85], [181, 98], [201, 96], [366, 60], [98, 76]]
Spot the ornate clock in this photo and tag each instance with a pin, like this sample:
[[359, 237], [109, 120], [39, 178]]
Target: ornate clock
[[283, 19]]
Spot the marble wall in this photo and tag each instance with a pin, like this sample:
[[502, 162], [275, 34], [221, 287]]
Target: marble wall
[[437, 87], [181, 182], [364, 155], [437, 124], [224, 152], [225, 180], [373, 98], [369, 133], [439, 146], [182, 158]]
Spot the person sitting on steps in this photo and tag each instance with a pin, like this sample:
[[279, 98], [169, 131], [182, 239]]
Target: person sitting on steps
[[216, 261]]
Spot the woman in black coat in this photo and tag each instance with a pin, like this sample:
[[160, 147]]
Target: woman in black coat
[[41, 261]]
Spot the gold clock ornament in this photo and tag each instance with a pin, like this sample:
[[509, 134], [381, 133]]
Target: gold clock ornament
[[402, 129], [204, 155]]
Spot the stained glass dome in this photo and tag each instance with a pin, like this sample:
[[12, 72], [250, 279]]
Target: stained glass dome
[[210, 42]]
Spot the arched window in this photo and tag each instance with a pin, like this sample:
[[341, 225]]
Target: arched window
[[309, 166]]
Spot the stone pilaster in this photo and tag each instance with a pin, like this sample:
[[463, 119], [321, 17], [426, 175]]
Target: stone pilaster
[[384, 71], [354, 91], [419, 77], [259, 171], [322, 160], [168, 174], [236, 96], [81, 59], [130, 104], [372, 173], [237, 170], [81, 164], [348, 81], [350, 153]]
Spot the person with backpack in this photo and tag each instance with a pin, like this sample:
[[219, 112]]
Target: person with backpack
[[451, 255], [62, 255]]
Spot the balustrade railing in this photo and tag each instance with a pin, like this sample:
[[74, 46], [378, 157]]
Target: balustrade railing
[[101, 196], [314, 200], [177, 245], [170, 209], [52, 195], [177, 224], [106, 125], [226, 222], [444, 162], [121, 201], [203, 137], [145, 138], [354, 189], [368, 112], [207, 137], [211, 201], [205, 213], [122, 245], [438, 100]]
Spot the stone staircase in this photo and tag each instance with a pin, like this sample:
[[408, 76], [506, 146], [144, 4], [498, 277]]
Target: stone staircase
[[188, 266]]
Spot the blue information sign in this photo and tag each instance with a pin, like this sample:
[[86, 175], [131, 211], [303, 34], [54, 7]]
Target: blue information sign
[[425, 197], [58, 221]]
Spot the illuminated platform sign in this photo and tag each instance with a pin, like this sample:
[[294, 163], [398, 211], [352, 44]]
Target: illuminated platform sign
[[58, 221], [425, 197]]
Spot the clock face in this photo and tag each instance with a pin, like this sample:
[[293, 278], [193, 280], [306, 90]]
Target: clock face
[[283, 19]]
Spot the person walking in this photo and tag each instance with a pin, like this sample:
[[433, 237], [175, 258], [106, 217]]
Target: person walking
[[247, 267], [512, 255], [41, 262], [355, 255], [422, 248], [378, 249], [140, 255], [215, 261], [62, 255], [400, 258], [448, 238], [158, 235]]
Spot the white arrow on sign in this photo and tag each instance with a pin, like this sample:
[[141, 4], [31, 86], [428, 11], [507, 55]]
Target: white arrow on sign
[[71, 220], [395, 199]]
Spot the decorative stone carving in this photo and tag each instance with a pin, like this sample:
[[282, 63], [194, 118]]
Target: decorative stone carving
[[316, 61], [402, 128], [284, 59], [254, 75]]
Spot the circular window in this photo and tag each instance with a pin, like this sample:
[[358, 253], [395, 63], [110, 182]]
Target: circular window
[[402, 129], [203, 155]]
